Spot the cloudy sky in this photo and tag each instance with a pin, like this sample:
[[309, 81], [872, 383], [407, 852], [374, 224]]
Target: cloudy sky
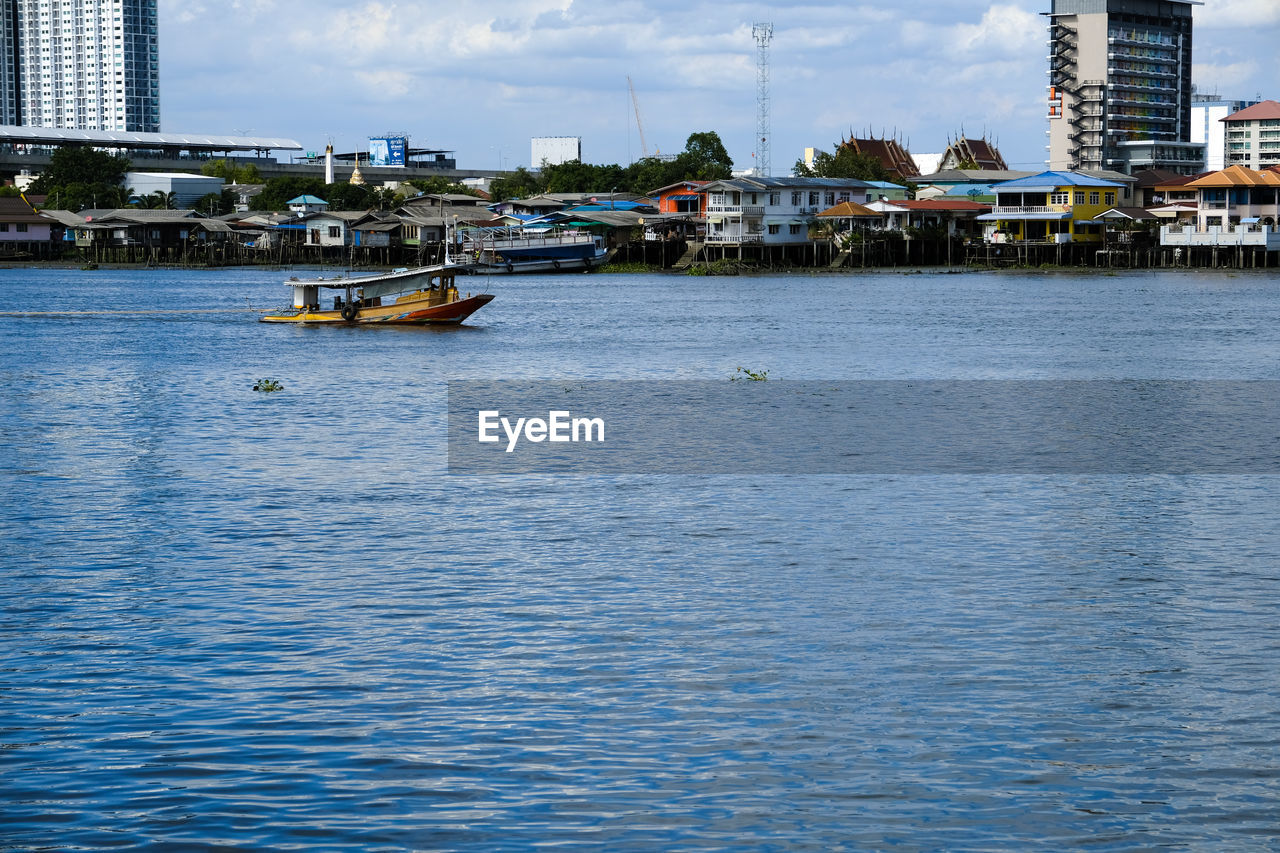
[[481, 78]]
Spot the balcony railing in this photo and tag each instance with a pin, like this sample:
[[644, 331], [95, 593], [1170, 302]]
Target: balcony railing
[[1023, 210], [734, 239], [1217, 235]]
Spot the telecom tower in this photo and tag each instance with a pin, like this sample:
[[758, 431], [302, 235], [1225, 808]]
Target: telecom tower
[[763, 34]]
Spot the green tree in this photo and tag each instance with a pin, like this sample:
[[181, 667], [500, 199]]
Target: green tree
[[349, 197], [704, 158], [440, 186], [77, 164], [519, 184], [217, 204], [83, 196], [578, 177], [79, 177], [843, 162], [158, 200], [278, 191], [232, 173]]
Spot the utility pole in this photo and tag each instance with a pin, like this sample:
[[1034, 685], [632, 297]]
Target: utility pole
[[763, 34]]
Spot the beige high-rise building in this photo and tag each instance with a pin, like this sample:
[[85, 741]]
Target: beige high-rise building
[[1119, 80]]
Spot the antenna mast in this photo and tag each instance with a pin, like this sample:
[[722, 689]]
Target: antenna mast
[[763, 34], [643, 146]]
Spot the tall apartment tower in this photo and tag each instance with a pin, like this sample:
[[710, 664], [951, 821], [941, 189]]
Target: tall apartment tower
[[84, 64], [9, 103], [1119, 72]]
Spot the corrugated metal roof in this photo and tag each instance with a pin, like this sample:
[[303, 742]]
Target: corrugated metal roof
[[1049, 181], [105, 138]]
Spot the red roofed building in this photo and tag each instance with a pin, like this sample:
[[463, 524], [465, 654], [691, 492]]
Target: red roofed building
[[897, 161], [957, 216], [1253, 136], [972, 154]]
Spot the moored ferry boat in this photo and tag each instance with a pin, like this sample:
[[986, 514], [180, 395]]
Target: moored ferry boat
[[418, 296], [514, 250]]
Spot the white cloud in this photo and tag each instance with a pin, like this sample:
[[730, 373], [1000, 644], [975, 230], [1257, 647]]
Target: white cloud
[[484, 77], [1224, 78], [1238, 13]]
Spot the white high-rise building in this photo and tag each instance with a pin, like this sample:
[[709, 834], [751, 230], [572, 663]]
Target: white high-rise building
[[1207, 115], [87, 64]]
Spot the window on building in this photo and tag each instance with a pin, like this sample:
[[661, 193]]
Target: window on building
[[813, 199], [4, 227], [775, 229], [1110, 198], [22, 228], [1093, 198], [1060, 198], [796, 198], [335, 231], [1079, 198], [795, 229]]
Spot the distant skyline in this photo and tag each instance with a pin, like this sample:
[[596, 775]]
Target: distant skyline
[[482, 79]]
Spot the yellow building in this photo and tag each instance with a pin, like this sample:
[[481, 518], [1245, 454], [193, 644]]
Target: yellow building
[[1052, 207]]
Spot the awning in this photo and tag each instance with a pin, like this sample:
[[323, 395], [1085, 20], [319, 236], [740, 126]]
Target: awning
[[683, 197], [1250, 220]]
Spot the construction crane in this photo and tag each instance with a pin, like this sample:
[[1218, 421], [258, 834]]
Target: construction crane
[[640, 127]]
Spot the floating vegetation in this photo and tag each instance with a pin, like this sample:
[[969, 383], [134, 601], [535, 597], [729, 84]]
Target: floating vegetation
[[753, 375], [267, 386], [627, 267], [723, 266]]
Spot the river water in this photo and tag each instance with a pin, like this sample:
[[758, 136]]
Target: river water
[[276, 621]]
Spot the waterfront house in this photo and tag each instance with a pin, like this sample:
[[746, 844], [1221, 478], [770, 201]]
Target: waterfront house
[[955, 216], [307, 204], [774, 211], [376, 231], [1053, 207], [850, 216], [687, 197], [1235, 207], [419, 230], [331, 228], [23, 231], [1237, 195]]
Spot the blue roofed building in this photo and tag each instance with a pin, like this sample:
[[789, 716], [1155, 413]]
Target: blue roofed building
[[1053, 207], [305, 204]]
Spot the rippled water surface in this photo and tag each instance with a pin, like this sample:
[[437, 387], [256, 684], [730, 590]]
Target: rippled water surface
[[274, 621]]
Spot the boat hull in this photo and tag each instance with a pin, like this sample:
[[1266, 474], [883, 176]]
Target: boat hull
[[422, 312], [555, 265]]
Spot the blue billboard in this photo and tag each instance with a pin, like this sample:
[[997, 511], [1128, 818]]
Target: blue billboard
[[387, 150]]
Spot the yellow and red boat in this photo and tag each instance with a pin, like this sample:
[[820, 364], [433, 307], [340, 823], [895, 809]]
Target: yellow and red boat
[[418, 296]]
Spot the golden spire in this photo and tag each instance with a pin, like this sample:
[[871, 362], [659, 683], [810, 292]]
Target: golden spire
[[356, 177]]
